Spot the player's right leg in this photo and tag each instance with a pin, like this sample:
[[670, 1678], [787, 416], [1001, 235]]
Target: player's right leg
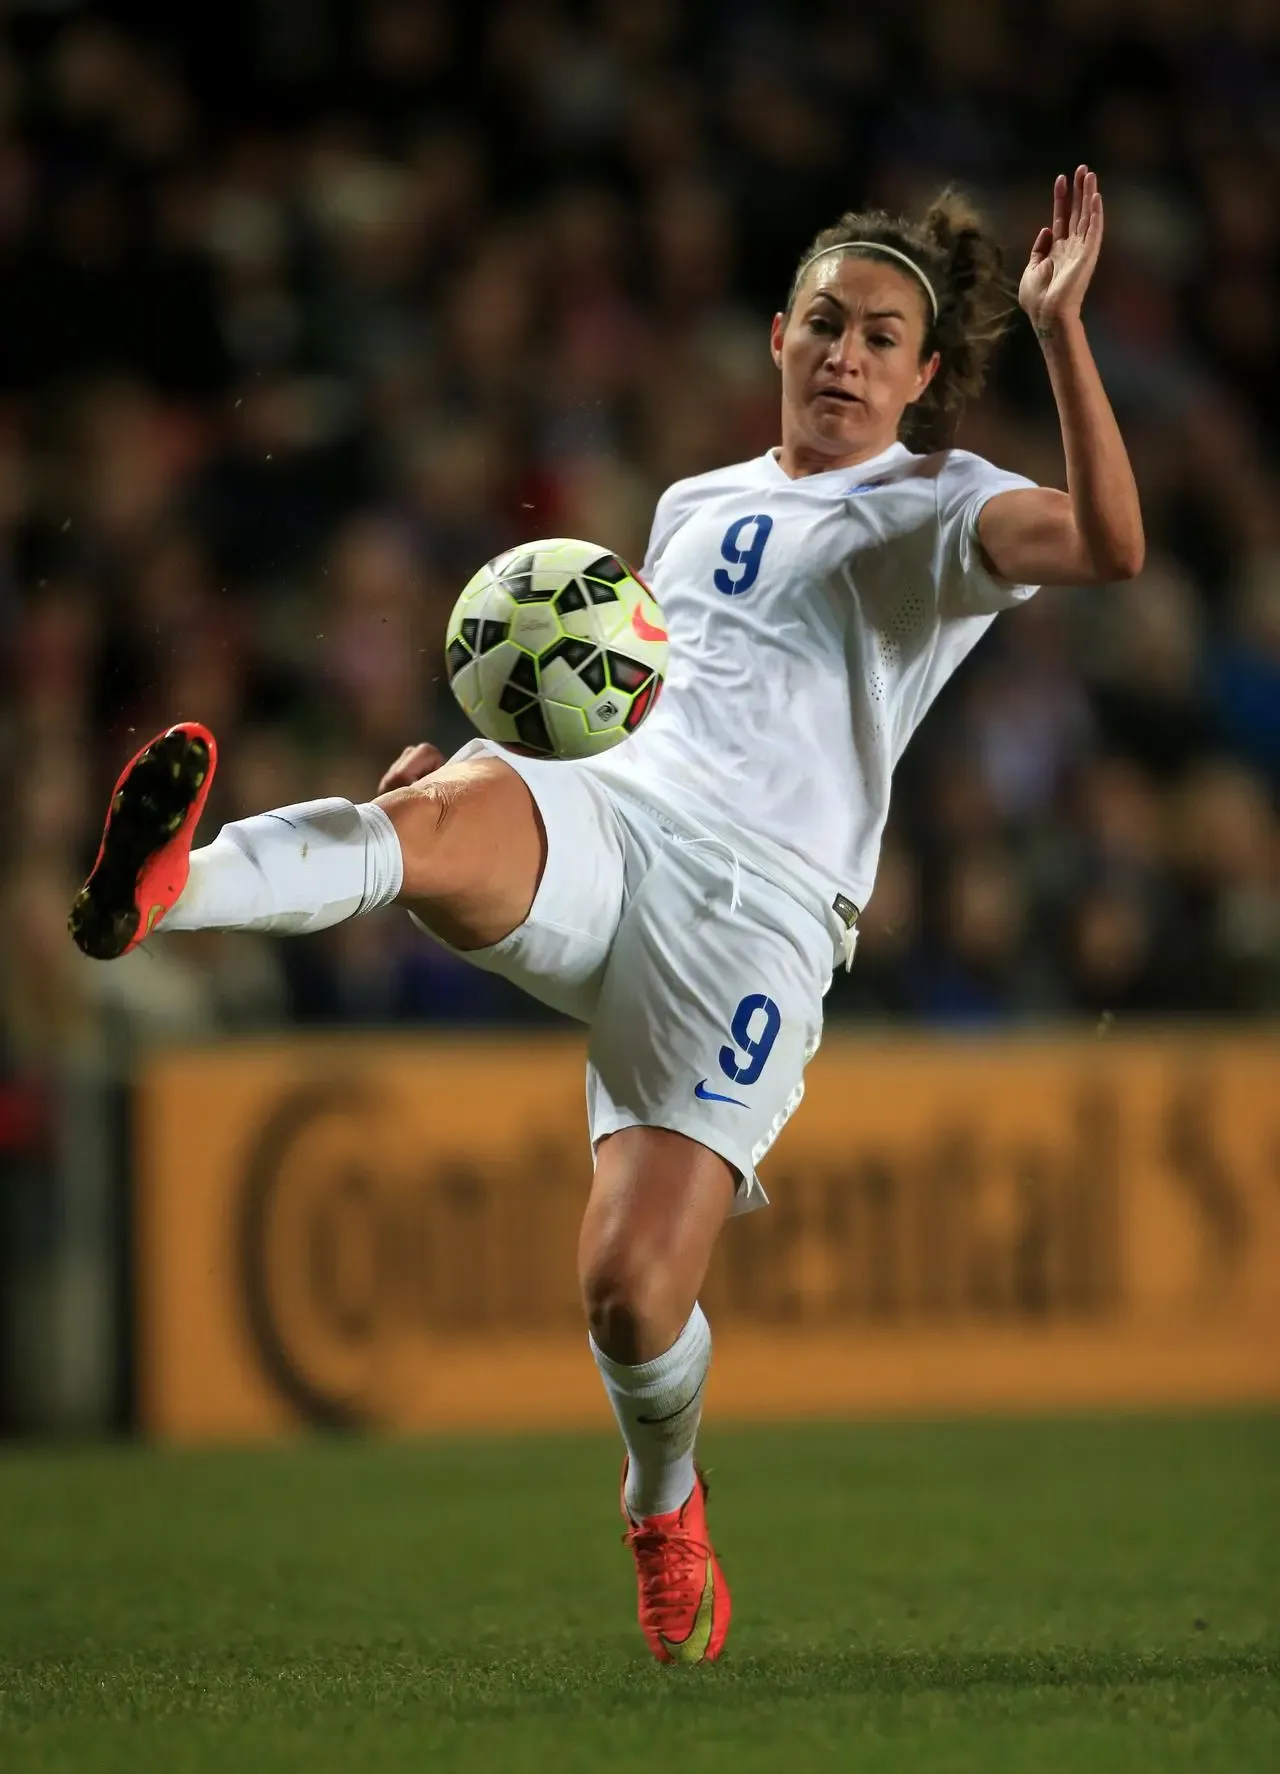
[[465, 849]]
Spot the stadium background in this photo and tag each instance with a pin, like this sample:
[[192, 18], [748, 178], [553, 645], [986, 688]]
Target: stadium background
[[307, 309]]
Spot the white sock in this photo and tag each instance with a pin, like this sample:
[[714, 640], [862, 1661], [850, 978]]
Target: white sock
[[298, 869], [659, 1407]]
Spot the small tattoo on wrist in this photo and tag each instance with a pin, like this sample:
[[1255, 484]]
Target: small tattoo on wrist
[[1043, 332]]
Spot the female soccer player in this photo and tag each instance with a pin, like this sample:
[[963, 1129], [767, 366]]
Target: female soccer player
[[688, 894]]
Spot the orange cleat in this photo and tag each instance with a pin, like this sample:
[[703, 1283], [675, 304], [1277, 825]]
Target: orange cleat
[[683, 1602], [145, 855]]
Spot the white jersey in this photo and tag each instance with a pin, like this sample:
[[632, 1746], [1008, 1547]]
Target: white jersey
[[812, 624]]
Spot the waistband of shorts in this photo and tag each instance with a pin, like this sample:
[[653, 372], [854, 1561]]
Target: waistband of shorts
[[837, 912]]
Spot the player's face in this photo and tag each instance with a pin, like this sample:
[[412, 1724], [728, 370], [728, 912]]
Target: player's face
[[850, 356]]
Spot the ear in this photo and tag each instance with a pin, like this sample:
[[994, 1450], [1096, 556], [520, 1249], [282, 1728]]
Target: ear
[[927, 371], [775, 338]]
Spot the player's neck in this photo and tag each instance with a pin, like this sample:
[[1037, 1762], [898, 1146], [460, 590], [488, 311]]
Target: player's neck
[[798, 459]]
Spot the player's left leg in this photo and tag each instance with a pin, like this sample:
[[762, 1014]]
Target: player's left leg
[[657, 1204], [710, 1006]]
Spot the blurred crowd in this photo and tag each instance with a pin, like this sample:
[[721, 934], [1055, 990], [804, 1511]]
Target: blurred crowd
[[308, 308]]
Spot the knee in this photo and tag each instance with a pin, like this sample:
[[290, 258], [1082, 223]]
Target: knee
[[630, 1302], [473, 848], [420, 813]]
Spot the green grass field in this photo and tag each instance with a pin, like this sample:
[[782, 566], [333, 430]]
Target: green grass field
[[989, 1597]]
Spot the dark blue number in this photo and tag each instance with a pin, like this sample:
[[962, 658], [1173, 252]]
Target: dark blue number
[[756, 1047], [748, 558]]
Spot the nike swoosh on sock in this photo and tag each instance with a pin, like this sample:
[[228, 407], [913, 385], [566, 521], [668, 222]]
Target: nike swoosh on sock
[[672, 1415]]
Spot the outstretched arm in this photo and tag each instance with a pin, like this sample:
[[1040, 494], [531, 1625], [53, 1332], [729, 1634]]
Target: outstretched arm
[[1092, 533]]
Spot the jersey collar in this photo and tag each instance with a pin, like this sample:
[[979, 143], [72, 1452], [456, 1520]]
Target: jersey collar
[[830, 478]]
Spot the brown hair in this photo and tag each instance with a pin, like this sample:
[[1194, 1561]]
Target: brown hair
[[963, 262]]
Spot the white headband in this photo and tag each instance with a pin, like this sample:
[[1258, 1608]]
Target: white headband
[[874, 246]]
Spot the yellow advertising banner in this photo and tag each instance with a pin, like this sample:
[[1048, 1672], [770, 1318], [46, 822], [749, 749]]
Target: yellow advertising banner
[[382, 1232]]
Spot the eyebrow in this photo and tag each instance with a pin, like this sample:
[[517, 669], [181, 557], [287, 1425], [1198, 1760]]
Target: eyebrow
[[876, 314]]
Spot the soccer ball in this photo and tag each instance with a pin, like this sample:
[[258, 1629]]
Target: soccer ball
[[556, 648]]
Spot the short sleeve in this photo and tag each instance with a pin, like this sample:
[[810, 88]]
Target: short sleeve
[[669, 513], [967, 586]]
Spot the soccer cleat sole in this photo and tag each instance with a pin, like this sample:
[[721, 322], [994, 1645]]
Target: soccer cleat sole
[[147, 810]]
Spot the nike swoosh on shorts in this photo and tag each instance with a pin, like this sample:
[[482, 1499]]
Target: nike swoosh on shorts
[[713, 1096]]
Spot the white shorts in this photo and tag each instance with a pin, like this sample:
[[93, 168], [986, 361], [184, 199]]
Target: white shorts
[[701, 980]]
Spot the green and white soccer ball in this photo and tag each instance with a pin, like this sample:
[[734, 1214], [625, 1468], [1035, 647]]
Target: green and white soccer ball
[[556, 648]]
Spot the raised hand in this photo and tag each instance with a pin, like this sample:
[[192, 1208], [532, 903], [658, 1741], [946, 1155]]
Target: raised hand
[[1064, 255]]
